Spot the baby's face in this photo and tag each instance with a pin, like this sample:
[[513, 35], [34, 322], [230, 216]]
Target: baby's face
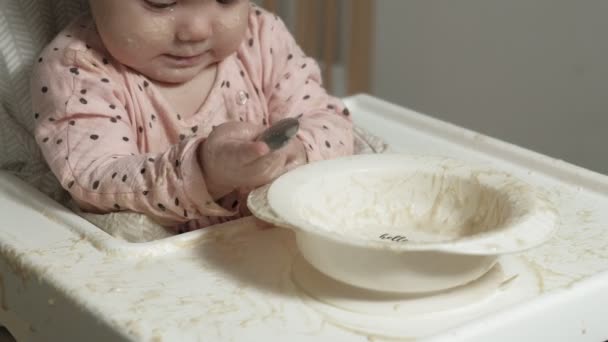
[[170, 41]]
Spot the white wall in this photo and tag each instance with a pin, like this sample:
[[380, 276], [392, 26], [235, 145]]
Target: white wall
[[532, 72]]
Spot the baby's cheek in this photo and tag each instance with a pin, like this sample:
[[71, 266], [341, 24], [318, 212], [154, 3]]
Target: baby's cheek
[[229, 33], [145, 39], [231, 22], [129, 43], [158, 31]]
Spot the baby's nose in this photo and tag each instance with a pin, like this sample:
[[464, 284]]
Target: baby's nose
[[194, 28]]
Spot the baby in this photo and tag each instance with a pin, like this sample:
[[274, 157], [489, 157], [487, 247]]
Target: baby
[[154, 106]]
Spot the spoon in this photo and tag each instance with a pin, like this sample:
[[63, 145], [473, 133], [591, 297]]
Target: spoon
[[279, 134]]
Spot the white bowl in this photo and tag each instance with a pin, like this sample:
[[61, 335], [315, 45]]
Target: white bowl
[[407, 223]]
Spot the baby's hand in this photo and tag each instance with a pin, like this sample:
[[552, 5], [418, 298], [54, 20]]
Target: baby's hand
[[232, 160]]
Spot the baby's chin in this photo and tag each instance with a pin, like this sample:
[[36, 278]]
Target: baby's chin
[[172, 76]]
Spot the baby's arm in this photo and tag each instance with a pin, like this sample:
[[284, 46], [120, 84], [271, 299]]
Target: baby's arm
[[292, 87], [91, 144]]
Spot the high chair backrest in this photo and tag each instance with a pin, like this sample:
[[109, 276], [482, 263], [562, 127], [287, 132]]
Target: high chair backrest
[[26, 26], [335, 32]]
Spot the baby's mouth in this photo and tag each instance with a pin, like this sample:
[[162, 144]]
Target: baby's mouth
[[184, 60]]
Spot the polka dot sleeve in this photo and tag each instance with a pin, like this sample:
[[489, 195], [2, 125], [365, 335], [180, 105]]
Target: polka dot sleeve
[[293, 88], [88, 139]]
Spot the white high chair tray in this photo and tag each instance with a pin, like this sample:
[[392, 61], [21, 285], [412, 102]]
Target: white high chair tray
[[63, 279]]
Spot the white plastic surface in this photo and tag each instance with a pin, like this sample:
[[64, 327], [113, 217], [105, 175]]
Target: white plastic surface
[[395, 315], [62, 279]]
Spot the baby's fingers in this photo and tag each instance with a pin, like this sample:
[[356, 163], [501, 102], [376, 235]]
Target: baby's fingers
[[242, 131], [245, 153], [295, 154], [264, 170]]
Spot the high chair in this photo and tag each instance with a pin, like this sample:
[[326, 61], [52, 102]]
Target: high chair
[[339, 34], [64, 279]]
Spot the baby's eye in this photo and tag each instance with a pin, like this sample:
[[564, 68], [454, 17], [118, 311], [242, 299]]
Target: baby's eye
[[226, 2], [159, 4]]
